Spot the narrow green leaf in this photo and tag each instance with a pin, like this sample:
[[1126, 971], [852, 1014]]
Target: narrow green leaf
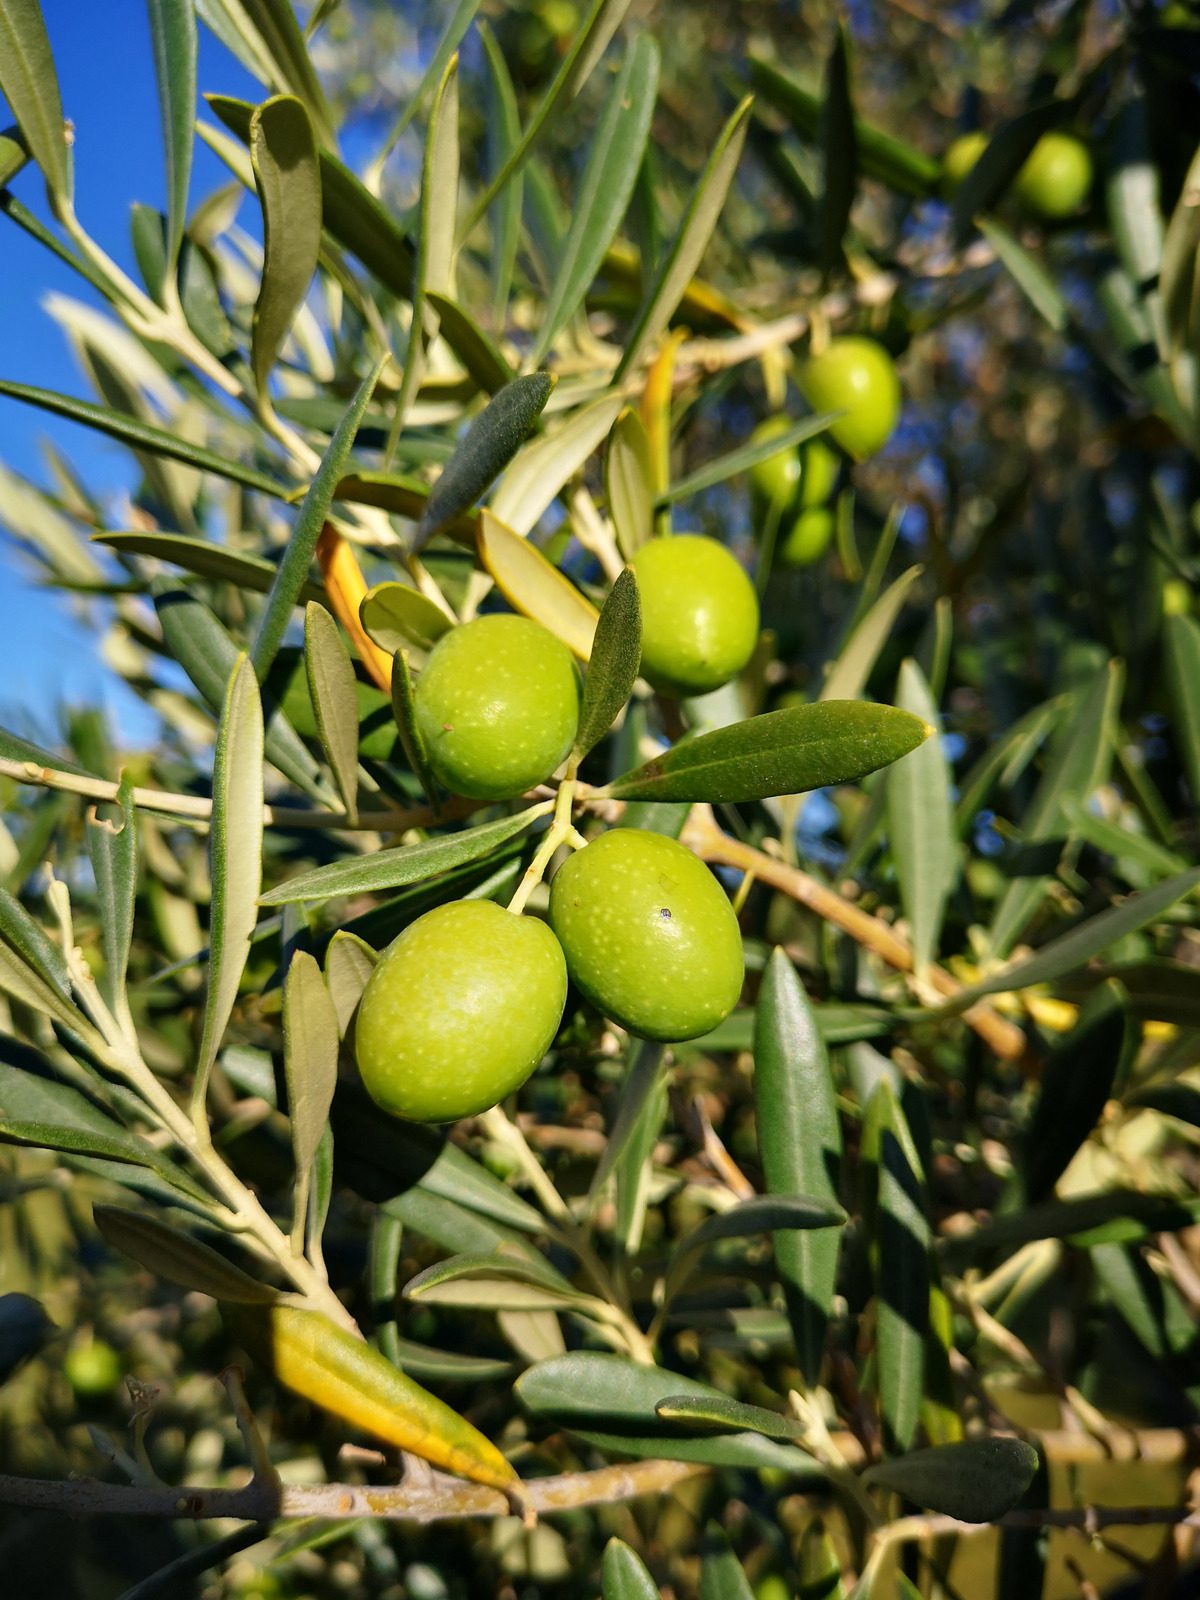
[[1077, 763], [921, 822], [404, 710], [294, 568], [141, 436], [603, 19], [235, 861], [1182, 661], [1034, 282], [13, 155], [604, 189], [1077, 1081], [1121, 843], [623, 1574], [451, 37], [173, 36], [534, 586], [24, 983], [696, 228], [781, 752], [1004, 760], [766, 1213], [901, 1249], [497, 1268], [310, 1058], [628, 483], [33, 945], [848, 675], [1000, 162], [398, 617], [486, 448], [284, 156], [331, 688], [502, 136], [613, 667], [349, 963], [975, 1481], [1120, 1215], [1180, 281], [839, 154], [255, 574], [743, 458], [29, 83], [482, 359], [435, 245], [351, 213], [273, 32], [200, 645], [179, 1258], [899, 165], [113, 850], [728, 1415], [800, 1142], [542, 468], [641, 1086], [388, 869], [721, 1575]]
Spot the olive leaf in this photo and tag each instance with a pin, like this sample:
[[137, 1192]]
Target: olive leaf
[[780, 752], [613, 667], [398, 616], [533, 586], [310, 1057], [178, 1257], [331, 688], [349, 963], [29, 83], [628, 480], [542, 468], [284, 156], [977, 1480], [173, 37]]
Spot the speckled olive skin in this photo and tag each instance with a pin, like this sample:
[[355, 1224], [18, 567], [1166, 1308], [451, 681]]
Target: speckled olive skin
[[699, 614], [649, 935], [1056, 176], [497, 706], [808, 538], [459, 1010], [856, 376]]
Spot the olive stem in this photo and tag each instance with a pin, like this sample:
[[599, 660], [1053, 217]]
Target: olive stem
[[498, 1125], [561, 831]]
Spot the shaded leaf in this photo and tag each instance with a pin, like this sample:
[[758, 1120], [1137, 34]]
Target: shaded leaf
[[486, 448], [178, 1257], [404, 711], [921, 823], [1114, 1215], [768, 1213], [847, 678], [975, 1481], [24, 1329], [839, 154], [349, 963], [1034, 282], [112, 847], [724, 1414], [284, 156], [235, 861], [613, 668], [310, 1059], [687, 249], [398, 617], [331, 688], [485, 363], [623, 1574], [534, 587], [502, 135], [628, 483], [1180, 281], [999, 163], [780, 752], [388, 869], [1183, 684], [543, 467]]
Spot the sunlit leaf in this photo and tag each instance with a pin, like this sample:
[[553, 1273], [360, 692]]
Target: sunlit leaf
[[284, 156], [848, 676], [349, 963], [542, 468], [112, 847], [331, 688], [623, 1574], [173, 36], [30, 85], [310, 1057], [534, 587], [921, 823], [398, 617], [478, 354], [628, 483]]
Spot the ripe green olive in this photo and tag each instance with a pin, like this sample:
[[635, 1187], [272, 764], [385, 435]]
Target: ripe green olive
[[960, 157], [459, 1010], [497, 706], [1056, 176], [649, 935], [808, 538], [857, 376], [699, 614], [93, 1369]]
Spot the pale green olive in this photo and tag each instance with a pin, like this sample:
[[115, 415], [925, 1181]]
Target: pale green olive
[[856, 376], [649, 934], [699, 614], [459, 1010]]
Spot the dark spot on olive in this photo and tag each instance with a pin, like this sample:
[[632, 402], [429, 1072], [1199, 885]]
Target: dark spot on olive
[[665, 913]]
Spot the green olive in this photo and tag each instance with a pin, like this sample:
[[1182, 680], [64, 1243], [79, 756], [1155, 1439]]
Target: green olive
[[960, 158], [856, 376], [93, 1369], [1056, 176], [808, 538], [778, 477], [649, 935], [459, 1010], [699, 614], [497, 706]]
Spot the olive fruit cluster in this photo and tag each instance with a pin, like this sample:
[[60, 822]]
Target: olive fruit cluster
[[1052, 183], [464, 1004], [800, 482]]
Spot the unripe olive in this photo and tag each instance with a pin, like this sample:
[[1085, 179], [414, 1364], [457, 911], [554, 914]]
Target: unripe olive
[[778, 477], [808, 539], [93, 1369], [960, 158], [497, 706], [649, 935], [459, 1010], [1056, 176], [699, 613], [857, 376]]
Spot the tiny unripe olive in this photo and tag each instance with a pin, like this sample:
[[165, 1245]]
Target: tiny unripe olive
[[649, 934], [800, 476], [497, 706], [808, 538], [1056, 176], [856, 376], [699, 614], [459, 1010], [93, 1369], [960, 158]]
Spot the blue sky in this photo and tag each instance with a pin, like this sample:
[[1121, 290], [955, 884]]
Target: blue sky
[[105, 69]]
